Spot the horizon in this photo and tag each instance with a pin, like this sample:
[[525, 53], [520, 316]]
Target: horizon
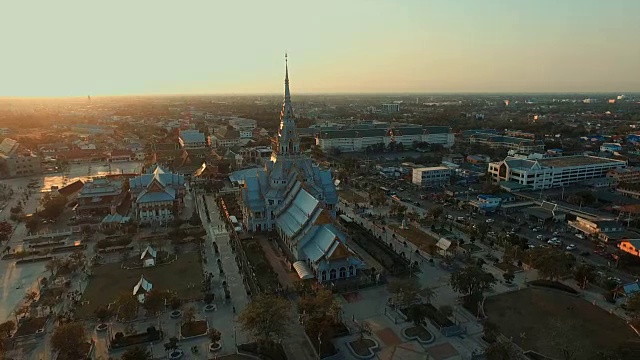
[[73, 49]]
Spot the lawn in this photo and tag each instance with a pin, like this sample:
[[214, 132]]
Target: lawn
[[108, 281], [535, 313], [351, 197], [418, 237], [31, 325]]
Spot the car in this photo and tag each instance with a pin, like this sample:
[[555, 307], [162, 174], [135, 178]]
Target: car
[[416, 203], [460, 218], [555, 233], [571, 247], [489, 221], [554, 242], [450, 217], [531, 246], [535, 229], [539, 237], [580, 236]]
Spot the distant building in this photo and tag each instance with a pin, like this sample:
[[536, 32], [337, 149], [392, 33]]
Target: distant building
[[245, 127], [391, 108], [552, 172], [431, 176], [610, 147], [120, 156], [157, 196], [453, 158], [99, 196], [18, 161], [629, 175], [359, 139], [486, 203], [192, 139], [518, 144], [225, 137]]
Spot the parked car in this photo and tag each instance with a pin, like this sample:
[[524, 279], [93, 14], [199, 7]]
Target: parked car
[[571, 247], [539, 237], [489, 221], [580, 236], [555, 233], [450, 217]]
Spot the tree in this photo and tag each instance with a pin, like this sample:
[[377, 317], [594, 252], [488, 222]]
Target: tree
[[320, 311], [154, 301], [189, 315], [68, 339], [584, 273], [5, 230], [633, 304], [446, 310], [195, 219], [6, 328], [435, 212], [471, 280], [416, 314], [103, 314], [266, 318], [214, 336], [53, 265], [502, 350], [508, 277], [137, 353], [551, 264], [127, 307], [53, 205], [408, 291]]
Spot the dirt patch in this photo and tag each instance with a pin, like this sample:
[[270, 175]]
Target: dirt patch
[[537, 313], [351, 197], [418, 237]]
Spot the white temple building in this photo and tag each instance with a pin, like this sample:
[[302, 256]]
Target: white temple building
[[293, 196]]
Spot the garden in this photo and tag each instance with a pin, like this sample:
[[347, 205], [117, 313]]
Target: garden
[[121, 340], [266, 277], [394, 263]]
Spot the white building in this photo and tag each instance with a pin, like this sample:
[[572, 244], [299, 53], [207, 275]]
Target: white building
[[243, 124], [351, 140], [192, 139], [391, 108], [431, 176], [552, 172]]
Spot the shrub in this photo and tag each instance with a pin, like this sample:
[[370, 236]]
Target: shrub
[[554, 285]]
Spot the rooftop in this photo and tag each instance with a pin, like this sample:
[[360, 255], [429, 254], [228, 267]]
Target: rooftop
[[192, 136], [577, 160]]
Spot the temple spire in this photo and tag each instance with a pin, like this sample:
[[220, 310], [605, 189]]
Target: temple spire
[[287, 109], [287, 94]]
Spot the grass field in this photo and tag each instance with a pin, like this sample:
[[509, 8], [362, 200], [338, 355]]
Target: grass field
[[183, 276], [541, 314], [351, 197], [418, 237]]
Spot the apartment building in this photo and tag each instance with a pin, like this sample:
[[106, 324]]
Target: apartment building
[[553, 172], [18, 161], [629, 175], [358, 139], [431, 176]]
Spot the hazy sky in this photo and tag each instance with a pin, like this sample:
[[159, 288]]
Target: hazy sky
[[118, 47]]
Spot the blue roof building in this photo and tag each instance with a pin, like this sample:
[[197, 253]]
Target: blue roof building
[[293, 196], [157, 196]]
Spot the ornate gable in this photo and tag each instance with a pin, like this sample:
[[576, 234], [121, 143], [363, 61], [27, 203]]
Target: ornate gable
[[340, 252]]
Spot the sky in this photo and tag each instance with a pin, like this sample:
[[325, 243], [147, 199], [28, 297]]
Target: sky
[[131, 47]]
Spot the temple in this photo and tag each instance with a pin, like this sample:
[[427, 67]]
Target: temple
[[296, 198]]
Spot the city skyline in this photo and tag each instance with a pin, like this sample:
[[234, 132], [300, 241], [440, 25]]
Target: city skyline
[[72, 48]]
